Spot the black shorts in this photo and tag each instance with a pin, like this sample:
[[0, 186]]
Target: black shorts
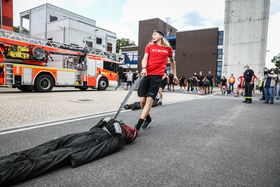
[[149, 86], [200, 83]]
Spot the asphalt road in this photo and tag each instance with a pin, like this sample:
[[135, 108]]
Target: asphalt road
[[215, 141]]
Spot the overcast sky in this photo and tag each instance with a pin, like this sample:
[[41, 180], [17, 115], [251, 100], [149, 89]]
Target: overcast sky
[[122, 16]]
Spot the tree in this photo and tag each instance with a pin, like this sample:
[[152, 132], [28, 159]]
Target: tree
[[276, 61], [124, 42], [16, 29]]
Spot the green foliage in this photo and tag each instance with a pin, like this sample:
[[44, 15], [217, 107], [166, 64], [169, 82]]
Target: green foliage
[[276, 61], [124, 42], [16, 29]]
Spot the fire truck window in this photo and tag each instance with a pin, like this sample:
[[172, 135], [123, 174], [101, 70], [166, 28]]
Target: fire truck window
[[99, 40], [110, 66]]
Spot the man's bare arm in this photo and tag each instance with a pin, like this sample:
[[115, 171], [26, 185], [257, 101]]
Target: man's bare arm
[[144, 65], [173, 67]]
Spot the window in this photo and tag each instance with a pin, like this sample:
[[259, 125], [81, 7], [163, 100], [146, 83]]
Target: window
[[99, 41], [220, 37], [220, 53], [109, 47], [89, 44], [219, 63], [53, 18], [110, 66]]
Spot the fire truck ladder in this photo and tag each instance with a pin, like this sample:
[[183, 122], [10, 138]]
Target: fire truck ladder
[[37, 41], [9, 74], [49, 43]]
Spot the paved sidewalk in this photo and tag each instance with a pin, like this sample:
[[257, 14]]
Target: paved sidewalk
[[19, 109]]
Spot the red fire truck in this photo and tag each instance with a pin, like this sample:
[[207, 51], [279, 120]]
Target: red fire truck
[[24, 64]]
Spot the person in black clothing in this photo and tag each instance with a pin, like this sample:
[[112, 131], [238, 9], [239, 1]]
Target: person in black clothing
[[182, 82], [190, 84], [223, 85], [195, 80], [249, 81], [210, 77], [200, 78], [170, 82]]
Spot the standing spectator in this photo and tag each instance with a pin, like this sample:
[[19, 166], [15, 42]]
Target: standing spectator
[[270, 79], [278, 87], [182, 82], [231, 82], [195, 81], [170, 82], [210, 77], [135, 76], [240, 86], [224, 85], [129, 79], [190, 84], [206, 86], [255, 78], [249, 82], [200, 78]]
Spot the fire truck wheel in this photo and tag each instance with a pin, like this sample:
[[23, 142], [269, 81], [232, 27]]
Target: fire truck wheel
[[102, 84], [44, 83]]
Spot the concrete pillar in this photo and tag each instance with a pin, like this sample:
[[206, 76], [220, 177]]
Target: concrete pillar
[[246, 26]]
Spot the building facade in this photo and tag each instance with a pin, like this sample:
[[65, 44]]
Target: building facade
[[6, 14], [246, 26], [54, 23], [196, 51]]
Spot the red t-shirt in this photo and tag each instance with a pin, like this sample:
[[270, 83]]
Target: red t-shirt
[[157, 59]]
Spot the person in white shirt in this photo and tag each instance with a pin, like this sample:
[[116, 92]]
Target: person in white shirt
[[129, 79]]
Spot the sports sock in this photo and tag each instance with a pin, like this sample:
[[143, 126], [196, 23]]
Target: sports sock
[[138, 125], [148, 117]]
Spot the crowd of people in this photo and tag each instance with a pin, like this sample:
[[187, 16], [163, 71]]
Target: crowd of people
[[196, 83], [269, 85]]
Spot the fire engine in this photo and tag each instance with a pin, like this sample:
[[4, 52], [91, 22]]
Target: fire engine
[[24, 65]]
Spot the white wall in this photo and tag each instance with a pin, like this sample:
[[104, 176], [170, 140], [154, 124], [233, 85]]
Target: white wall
[[38, 22], [246, 25], [68, 28]]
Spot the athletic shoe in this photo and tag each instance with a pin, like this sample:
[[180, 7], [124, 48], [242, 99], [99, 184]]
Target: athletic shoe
[[159, 103], [147, 123], [139, 124]]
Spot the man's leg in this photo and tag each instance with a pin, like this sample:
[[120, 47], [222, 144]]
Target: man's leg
[[141, 120], [251, 87], [145, 112], [147, 107], [271, 93], [246, 96], [160, 94]]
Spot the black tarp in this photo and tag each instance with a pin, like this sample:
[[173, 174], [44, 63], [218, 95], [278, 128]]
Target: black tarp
[[105, 137]]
